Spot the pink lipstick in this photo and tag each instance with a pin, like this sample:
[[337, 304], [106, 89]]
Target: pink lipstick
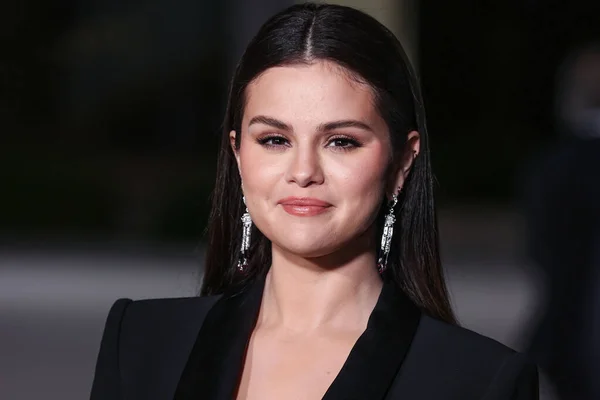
[[304, 206]]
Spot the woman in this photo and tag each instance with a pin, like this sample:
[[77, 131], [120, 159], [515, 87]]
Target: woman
[[323, 276]]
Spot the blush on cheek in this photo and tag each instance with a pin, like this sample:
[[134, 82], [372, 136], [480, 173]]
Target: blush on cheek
[[369, 174], [261, 176]]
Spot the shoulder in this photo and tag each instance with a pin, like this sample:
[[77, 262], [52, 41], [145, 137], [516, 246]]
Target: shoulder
[[144, 336], [160, 308], [465, 362], [463, 348], [137, 323], [128, 315], [454, 339]]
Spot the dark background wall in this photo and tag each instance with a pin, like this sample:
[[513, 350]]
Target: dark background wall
[[110, 110], [488, 70]]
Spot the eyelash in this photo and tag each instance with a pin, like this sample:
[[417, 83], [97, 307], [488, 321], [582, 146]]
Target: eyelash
[[350, 143]]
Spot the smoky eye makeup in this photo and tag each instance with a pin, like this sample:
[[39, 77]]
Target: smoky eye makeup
[[272, 141], [343, 142], [337, 142]]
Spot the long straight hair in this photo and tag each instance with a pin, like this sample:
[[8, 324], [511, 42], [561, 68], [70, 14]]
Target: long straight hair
[[303, 34]]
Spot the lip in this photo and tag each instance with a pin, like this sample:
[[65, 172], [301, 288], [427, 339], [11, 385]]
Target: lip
[[304, 206]]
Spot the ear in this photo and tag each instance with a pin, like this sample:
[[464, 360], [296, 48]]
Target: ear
[[236, 152], [404, 165]]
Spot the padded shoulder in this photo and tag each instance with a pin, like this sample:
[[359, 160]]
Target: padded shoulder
[[448, 361], [156, 313], [459, 340], [106, 382], [157, 337], [145, 346]]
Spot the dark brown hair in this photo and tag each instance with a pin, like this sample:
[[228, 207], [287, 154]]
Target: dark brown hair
[[305, 33]]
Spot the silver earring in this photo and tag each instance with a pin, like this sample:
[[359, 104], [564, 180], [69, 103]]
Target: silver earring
[[386, 237], [246, 229]]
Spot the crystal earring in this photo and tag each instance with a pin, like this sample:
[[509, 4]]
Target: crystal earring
[[386, 237], [246, 228]]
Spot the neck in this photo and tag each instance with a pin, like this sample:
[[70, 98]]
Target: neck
[[303, 295]]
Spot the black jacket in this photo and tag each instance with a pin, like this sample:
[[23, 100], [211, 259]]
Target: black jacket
[[194, 348]]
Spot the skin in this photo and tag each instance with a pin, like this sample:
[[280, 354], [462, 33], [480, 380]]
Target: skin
[[323, 284]]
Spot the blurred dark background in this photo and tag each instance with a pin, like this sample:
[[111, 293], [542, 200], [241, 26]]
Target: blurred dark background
[[109, 124]]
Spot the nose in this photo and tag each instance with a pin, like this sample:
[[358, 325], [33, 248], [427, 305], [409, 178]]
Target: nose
[[305, 168]]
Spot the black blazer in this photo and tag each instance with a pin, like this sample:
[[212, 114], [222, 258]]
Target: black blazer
[[194, 348]]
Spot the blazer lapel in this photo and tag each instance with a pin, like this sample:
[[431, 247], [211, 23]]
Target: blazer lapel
[[215, 364], [217, 358], [375, 359]]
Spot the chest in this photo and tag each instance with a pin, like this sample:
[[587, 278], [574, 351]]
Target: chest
[[293, 366]]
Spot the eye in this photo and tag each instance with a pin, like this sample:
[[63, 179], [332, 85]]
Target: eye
[[343, 142], [273, 141]]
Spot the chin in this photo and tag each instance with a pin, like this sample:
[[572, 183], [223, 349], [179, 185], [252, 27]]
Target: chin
[[305, 248]]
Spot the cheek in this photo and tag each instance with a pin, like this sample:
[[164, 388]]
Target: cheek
[[362, 177], [258, 172]]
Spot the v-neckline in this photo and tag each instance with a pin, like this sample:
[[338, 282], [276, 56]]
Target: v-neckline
[[216, 363]]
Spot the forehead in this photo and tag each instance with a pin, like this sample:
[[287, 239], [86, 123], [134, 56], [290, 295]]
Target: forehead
[[317, 91]]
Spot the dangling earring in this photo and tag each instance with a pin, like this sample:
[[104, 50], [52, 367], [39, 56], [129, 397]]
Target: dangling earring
[[246, 228], [386, 237]]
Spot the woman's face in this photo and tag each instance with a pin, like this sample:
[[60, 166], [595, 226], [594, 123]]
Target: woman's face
[[313, 158]]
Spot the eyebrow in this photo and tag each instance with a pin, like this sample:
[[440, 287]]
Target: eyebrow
[[347, 123], [275, 123], [328, 126]]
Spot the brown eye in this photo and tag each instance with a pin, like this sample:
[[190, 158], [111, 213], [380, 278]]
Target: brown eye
[[273, 141], [343, 143]]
